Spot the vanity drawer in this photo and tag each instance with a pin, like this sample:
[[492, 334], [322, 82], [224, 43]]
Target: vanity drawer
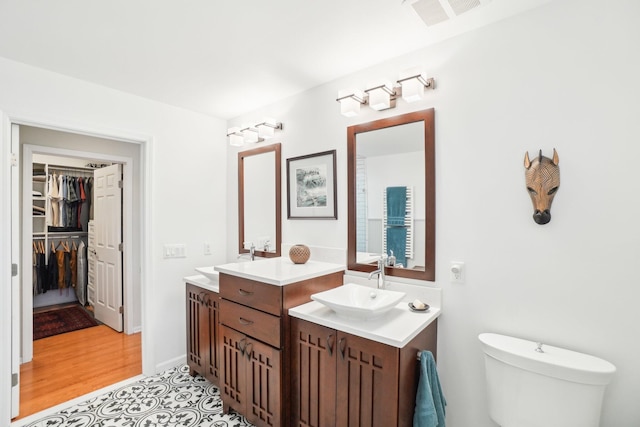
[[251, 293], [254, 323]]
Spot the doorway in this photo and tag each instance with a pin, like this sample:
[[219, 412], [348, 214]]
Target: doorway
[[79, 146]]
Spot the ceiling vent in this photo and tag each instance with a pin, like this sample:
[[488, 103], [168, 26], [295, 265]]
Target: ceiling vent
[[433, 12]]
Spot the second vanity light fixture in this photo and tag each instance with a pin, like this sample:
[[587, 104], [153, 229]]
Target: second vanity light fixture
[[257, 132], [410, 86]]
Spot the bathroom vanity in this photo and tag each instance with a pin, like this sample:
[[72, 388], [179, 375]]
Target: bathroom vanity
[[203, 308], [254, 332], [357, 372], [281, 359]]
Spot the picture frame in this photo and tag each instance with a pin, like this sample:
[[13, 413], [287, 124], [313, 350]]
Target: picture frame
[[311, 186]]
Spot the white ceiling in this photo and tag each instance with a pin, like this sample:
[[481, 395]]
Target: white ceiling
[[222, 57]]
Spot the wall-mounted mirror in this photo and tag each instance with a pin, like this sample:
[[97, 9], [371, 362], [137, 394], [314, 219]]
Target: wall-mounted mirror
[[391, 176], [259, 203]]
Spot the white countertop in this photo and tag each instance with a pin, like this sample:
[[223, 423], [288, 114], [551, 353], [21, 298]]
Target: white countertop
[[203, 282], [279, 271], [396, 328]]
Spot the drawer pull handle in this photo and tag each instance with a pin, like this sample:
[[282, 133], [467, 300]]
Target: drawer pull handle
[[244, 293], [245, 321], [330, 342], [341, 348], [248, 350]]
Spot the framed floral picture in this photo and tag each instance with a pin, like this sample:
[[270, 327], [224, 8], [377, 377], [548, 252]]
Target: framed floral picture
[[311, 186]]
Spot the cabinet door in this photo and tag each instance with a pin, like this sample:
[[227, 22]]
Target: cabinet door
[[233, 366], [211, 309], [313, 374], [196, 331], [367, 383], [264, 403]]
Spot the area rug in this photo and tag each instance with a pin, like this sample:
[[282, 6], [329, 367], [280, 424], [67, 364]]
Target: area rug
[[60, 321], [172, 398]]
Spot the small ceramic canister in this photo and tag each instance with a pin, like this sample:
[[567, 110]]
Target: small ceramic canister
[[299, 254]]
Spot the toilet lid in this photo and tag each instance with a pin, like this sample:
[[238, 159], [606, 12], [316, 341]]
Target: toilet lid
[[553, 361]]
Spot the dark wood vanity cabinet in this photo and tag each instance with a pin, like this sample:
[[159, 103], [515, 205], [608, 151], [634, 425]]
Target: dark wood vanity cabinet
[[254, 344], [202, 333], [313, 380], [342, 380], [251, 378]]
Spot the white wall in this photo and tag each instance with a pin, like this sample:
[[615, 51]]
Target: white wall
[[565, 76], [186, 174]]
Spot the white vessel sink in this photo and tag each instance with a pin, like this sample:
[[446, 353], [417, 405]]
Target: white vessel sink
[[359, 302], [208, 272]]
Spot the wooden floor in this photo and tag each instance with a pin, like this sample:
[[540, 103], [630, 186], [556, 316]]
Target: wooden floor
[[70, 365]]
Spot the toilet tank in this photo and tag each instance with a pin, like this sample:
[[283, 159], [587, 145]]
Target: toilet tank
[[552, 388]]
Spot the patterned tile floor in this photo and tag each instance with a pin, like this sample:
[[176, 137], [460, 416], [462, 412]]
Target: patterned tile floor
[[172, 398]]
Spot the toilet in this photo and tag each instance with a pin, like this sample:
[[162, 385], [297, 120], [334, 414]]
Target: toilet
[[535, 385]]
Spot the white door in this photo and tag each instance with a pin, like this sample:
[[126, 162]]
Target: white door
[[107, 216], [16, 332]]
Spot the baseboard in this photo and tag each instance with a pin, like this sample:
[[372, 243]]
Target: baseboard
[[172, 363]]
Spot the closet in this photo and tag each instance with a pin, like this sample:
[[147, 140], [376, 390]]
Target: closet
[[114, 163], [62, 209]]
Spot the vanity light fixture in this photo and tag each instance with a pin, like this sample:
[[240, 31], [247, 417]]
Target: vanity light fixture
[[413, 85], [350, 102], [382, 96], [258, 132], [267, 128]]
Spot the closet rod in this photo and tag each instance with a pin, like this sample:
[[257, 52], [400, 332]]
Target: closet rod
[[38, 237], [70, 168]]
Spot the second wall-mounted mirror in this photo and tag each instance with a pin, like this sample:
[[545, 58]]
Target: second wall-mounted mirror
[[259, 202], [391, 195]]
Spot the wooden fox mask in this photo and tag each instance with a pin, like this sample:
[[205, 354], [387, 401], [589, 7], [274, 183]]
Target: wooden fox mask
[[543, 179]]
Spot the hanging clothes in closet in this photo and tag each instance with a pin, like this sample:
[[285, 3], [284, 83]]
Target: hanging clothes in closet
[[39, 268], [70, 202], [83, 271], [62, 271]]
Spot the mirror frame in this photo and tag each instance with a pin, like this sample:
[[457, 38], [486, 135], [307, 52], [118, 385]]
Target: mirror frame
[[427, 117], [278, 180]]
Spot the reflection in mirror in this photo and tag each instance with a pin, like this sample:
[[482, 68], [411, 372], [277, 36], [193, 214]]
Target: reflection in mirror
[[392, 195], [259, 203]]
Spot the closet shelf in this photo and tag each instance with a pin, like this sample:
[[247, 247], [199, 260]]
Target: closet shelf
[[57, 234]]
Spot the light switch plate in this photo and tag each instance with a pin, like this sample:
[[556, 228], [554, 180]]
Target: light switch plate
[[175, 250]]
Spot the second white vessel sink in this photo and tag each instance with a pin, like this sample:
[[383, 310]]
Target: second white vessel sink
[[208, 272], [359, 302]]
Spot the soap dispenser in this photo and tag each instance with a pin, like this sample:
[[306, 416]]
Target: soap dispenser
[[391, 261]]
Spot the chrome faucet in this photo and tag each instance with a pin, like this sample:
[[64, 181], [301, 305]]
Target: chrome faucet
[[379, 272], [252, 253]]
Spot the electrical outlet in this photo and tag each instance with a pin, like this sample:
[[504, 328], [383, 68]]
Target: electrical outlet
[[456, 272], [207, 248]]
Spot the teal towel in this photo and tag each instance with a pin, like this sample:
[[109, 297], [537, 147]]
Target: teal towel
[[396, 205], [430, 402], [397, 242]]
